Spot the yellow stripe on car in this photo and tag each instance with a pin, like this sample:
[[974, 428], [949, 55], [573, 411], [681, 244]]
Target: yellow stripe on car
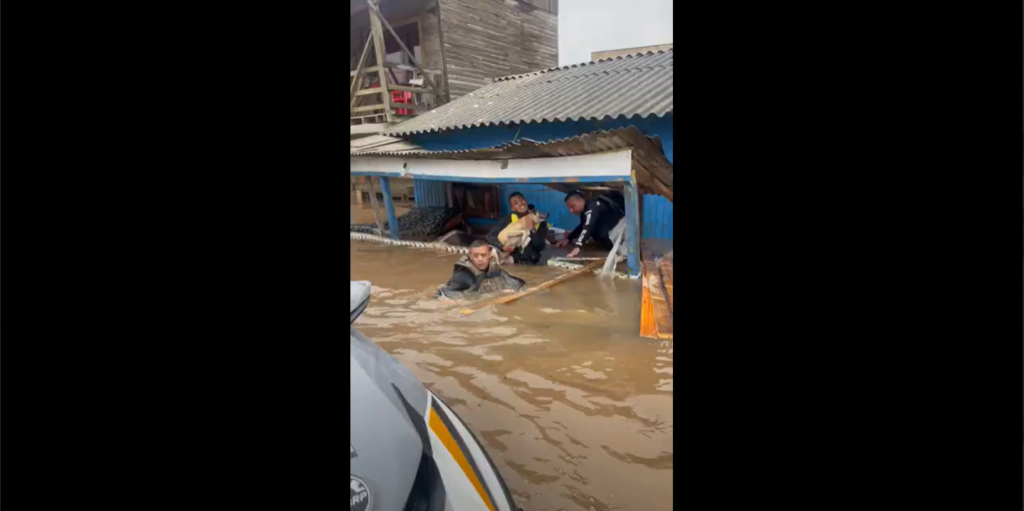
[[446, 438]]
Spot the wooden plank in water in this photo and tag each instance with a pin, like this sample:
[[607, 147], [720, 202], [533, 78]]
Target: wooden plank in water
[[561, 278], [662, 312], [666, 278], [648, 328]]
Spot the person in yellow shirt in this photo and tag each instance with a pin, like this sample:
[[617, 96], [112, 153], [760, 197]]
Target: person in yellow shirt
[[532, 253]]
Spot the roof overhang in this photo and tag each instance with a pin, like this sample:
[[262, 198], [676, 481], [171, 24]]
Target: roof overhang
[[614, 156], [611, 166]]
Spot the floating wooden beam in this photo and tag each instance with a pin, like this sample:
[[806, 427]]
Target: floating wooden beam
[[666, 277], [648, 328], [662, 312], [557, 280]]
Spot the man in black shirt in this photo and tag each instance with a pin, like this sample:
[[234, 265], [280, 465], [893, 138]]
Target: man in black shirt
[[478, 273], [597, 218], [532, 253]]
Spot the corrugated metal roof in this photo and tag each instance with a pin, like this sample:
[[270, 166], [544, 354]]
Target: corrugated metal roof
[[375, 144], [628, 86], [654, 171]]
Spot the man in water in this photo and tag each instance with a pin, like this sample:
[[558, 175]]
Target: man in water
[[597, 219], [532, 253], [478, 273]]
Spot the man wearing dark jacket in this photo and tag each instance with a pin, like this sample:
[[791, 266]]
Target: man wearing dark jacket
[[532, 253], [597, 218], [478, 273]]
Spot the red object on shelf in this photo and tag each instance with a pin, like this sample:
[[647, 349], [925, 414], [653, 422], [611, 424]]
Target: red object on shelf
[[401, 97]]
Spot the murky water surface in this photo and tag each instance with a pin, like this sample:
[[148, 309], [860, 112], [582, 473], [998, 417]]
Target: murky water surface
[[573, 406]]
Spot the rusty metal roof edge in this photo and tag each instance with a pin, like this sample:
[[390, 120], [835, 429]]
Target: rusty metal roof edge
[[582, 64], [569, 118], [629, 133]]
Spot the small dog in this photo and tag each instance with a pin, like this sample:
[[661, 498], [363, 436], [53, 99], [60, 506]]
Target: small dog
[[519, 233]]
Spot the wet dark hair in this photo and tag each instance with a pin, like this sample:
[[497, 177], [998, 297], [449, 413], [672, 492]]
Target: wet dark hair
[[576, 193], [479, 243], [515, 194]]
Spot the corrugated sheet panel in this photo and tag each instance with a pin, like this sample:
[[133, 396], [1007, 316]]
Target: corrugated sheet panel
[[630, 86], [492, 136], [378, 143], [656, 223], [429, 193], [657, 220]]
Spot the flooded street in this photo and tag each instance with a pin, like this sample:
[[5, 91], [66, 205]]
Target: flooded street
[[572, 405]]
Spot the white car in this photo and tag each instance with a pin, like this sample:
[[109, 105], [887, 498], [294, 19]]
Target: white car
[[408, 450]]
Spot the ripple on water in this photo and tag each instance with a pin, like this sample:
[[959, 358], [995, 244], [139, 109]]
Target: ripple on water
[[573, 407]]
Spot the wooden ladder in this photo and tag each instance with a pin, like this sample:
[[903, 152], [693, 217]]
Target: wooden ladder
[[362, 76]]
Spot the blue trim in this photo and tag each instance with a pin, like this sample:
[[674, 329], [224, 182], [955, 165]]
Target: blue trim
[[491, 136], [481, 221], [501, 180], [389, 206], [632, 228], [375, 174]]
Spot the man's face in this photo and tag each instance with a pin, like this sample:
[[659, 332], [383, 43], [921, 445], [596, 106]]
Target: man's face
[[480, 257], [518, 204], [575, 204]]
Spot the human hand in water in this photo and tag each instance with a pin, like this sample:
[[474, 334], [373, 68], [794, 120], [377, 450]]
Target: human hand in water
[[574, 252]]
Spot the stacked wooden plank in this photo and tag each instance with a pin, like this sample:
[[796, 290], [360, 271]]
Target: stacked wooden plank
[[656, 298]]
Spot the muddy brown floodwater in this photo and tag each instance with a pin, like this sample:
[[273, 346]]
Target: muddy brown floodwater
[[573, 406]]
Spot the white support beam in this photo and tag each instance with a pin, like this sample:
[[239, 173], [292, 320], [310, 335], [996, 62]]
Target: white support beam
[[611, 166]]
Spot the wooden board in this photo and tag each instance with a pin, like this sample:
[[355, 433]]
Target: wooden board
[[662, 312], [648, 328], [485, 39], [666, 278], [557, 280]]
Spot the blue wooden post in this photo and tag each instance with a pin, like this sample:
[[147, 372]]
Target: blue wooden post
[[389, 207], [632, 226]]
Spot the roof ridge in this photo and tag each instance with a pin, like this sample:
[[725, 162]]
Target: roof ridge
[[582, 64]]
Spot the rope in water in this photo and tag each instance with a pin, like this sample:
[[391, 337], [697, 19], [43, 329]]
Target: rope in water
[[442, 247], [452, 249]]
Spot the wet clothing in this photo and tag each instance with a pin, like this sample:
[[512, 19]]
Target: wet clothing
[[467, 278], [531, 254], [599, 217]]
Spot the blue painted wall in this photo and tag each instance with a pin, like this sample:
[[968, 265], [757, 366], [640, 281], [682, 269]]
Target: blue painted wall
[[657, 210], [545, 199], [429, 193], [657, 220]]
